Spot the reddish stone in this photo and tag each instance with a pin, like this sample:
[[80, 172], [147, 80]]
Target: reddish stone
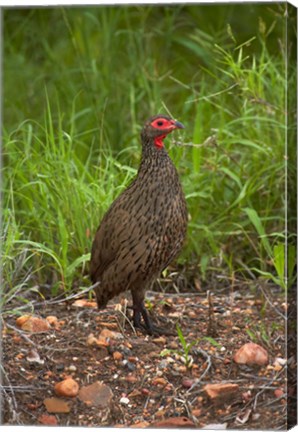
[[49, 420], [173, 422], [55, 405], [251, 354]]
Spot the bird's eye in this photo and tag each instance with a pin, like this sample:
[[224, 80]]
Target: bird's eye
[[159, 123]]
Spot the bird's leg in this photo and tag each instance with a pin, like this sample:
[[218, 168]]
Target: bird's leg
[[139, 311]]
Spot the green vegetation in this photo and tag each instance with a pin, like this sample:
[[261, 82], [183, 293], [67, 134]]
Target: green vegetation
[[78, 85]]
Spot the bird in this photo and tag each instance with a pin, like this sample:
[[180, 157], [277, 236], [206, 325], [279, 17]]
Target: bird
[[144, 229]]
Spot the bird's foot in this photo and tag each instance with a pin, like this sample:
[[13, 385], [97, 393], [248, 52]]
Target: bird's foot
[[148, 326]]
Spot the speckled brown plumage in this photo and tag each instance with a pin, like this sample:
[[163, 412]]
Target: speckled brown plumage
[[145, 227]]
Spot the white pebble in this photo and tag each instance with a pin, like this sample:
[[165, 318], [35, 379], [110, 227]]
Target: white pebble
[[72, 368], [124, 401]]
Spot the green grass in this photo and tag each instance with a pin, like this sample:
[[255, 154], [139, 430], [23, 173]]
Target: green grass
[[79, 83]]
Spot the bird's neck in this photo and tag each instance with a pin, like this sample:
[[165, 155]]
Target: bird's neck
[[153, 148]]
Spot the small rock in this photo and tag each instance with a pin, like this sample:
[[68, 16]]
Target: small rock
[[281, 361], [84, 303], [33, 324], [72, 368], [96, 394], [117, 356], [251, 354], [135, 393], [187, 382], [140, 424], [22, 319], [53, 321], [130, 366], [131, 379], [55, 405], [246, 396], [173, 345], [216, 426], [49, 420], [106, 333], [92, 340], [160, 340], [159, 381], [278, 393], [196, 412], [163, 364], [33, 357], [173, 422], [59, 367], [221, 392], [67, 388], [124, 401]]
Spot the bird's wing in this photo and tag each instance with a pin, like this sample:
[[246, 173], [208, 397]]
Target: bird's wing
[[107, 241]]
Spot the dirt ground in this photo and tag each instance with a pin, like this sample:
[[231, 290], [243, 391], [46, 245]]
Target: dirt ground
[[153, 380]]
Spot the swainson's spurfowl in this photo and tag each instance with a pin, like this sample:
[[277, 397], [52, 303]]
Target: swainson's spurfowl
[[145, 227]]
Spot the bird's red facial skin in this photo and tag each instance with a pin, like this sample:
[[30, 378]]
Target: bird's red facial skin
[[163, 124], [158, 141]]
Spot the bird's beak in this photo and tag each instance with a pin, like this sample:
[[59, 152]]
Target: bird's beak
[[178, 125]]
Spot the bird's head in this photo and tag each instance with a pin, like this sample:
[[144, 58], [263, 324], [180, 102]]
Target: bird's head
[[158, 127]]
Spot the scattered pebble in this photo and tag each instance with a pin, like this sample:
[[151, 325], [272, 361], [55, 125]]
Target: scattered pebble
[[60, 367], [278, 393], [130, 366], [53, 321], [96, 394], [33, 357], [159, 381], [49, 420], [163, 364], [33, 324], [220, 391], [251, 353], [187, 382], [55, 405], [106, 333], [67, 388], [72, 368], [124, 401], [117, 355], [84, 303], [173, 422]]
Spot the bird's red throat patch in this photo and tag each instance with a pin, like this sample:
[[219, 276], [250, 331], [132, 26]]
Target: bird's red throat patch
[[158, 141]]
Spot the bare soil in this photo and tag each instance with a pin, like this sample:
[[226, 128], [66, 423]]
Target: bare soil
[[154, 378]]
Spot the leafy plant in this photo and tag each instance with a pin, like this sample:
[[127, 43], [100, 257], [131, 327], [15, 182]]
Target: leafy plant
[[186, 347]]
